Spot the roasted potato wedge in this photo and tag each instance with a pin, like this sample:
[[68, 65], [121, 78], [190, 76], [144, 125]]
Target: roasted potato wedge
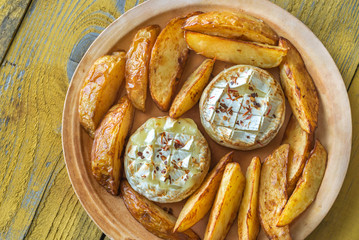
[[108, 143], [192, 89], [248, 221], [99, 90], [307, 186], [232, 25], [201, 201], [152, 217], [235, 51], [300, 144], [168, 57], [138, 58], [273, 192], [227, 202], [299, 88]]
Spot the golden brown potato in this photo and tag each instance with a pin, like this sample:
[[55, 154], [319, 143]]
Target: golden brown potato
[[138, 58], [108, 143], [99, 90], [168, 57], [201, 201], [248, 222], [152, 217], [299, 88], [273, 192], [300, 144], [192, 89], [227, 202], [232, 25], [307, 186], [235, 51]]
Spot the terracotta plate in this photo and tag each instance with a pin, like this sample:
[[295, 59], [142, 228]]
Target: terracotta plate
[[335, 127]]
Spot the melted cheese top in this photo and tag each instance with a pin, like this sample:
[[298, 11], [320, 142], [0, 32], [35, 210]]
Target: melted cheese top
[[166, 159], [243, 107]]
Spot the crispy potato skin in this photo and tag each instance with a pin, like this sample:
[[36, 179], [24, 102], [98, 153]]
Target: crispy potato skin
[[300, 144], [232, 25], [138, 58], [151, 216], [201, 201], [108, 144], [168, 57], [248, 221], [235, 51], [299, 88], [273, 192], [307, 186], [227, 202], [100, 88], [192, 89]]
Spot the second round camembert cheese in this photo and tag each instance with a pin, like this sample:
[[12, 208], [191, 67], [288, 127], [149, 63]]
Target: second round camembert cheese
[[243, 107]]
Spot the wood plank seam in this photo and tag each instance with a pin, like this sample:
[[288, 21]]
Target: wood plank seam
[[352, 80], [15, 32]]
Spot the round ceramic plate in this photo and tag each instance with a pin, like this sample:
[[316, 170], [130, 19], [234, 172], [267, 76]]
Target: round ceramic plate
[[334, 130]]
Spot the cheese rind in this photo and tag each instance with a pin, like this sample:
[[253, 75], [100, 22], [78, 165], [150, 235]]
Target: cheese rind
[[166, 160], [243, 107]]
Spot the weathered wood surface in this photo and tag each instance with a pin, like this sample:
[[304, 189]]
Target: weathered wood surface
[[11, 15], [36, 197]]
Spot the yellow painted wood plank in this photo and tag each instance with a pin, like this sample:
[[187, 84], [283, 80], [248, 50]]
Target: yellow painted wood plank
[[11, 14], [342, 220], [52, 38], [336, 24], [60, 215]]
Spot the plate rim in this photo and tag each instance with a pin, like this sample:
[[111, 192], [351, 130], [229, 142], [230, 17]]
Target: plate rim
[[81, 195]]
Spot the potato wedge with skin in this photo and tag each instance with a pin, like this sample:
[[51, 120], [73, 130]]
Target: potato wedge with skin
[[99, 90], [192, 89], [307, 186], [138, 58], [273, 192], [168, 57], [299, 88], [152, 217], [108, 143], [201, 201], [226, 204], [300, 144], [232, 25], [248, 221], [235, 51]]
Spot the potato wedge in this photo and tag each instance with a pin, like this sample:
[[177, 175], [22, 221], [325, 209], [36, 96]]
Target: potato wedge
[[232, 25], [299, 88], [138, 59], [273, 192], [300, 144], [168, 57], [307, 186], [227, 202], [201, 201], [248, 221], [108, 143], [99, 90], [192, 89], [235, 51], [152, 217]]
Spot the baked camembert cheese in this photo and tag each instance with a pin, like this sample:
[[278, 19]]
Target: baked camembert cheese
[[166, 160], [243, 107]]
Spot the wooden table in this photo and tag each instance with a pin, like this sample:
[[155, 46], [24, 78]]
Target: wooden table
[[41, 43]]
